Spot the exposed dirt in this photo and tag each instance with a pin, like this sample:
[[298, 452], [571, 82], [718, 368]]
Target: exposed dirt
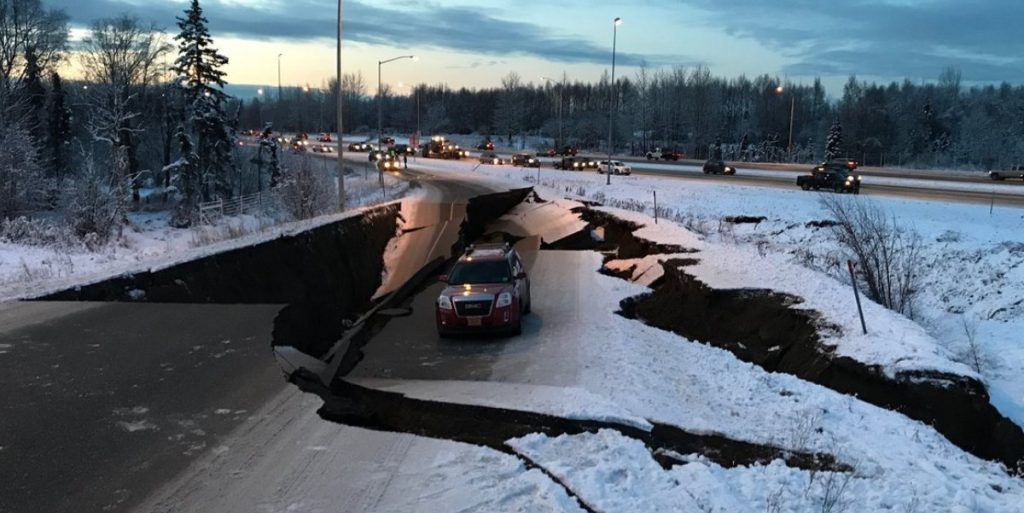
[[351, 404], [769, 329], [745, 219]]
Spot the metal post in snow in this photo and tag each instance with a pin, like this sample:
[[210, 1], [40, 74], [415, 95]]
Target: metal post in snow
[[655, 205], [856, 296], [992, 202]]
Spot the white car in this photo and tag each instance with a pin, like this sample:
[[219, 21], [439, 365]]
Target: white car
[[617, 167]]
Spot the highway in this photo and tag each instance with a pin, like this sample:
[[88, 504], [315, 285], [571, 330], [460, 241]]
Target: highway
[[931, 185]]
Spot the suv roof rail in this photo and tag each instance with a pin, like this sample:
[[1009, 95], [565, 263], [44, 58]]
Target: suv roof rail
[[504, 247]]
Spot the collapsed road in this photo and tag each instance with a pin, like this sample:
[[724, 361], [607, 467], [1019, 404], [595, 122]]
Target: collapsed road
[[117, 386], [165, 430]]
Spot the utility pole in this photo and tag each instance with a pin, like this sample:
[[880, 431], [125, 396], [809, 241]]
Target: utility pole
[[611, 104], [341, 147]]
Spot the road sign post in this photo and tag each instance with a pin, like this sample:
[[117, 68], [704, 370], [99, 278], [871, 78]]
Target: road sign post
[[856, 295]]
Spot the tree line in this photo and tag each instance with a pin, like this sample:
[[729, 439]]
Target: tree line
[[937, 123]]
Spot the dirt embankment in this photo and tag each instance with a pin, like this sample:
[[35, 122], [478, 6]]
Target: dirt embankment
[[769, 329]]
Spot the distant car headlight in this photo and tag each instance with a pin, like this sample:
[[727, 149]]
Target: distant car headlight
[[859, 177], [444, 303], [504, 299]]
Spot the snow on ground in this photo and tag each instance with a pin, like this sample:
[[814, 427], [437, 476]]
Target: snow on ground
[[285, 459], [149, 243], [973, 265], [647, 373]]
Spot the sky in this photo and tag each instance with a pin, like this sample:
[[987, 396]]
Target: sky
[[475, 43]]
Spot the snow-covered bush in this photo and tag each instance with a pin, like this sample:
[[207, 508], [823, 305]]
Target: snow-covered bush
[[889, 255], [305, 193], [97, 209], [21, 178], [35, 232]]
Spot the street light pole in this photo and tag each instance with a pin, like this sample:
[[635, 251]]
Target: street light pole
[[792, 109], [279, 76], [611, 103], [380, 97], [341, 147]]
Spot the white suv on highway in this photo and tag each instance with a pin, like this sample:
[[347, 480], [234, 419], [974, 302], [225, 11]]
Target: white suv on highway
[[617, 167]]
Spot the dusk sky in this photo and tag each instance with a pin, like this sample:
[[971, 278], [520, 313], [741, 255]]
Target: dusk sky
[[475, 43]]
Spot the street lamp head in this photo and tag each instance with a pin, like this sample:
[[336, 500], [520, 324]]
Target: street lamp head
[[779, 89], [617, 21], [259, 91]]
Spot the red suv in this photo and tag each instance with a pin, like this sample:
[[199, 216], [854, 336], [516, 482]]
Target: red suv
[[487, 291]]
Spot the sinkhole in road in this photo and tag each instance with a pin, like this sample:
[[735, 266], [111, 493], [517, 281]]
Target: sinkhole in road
[[768, 328]]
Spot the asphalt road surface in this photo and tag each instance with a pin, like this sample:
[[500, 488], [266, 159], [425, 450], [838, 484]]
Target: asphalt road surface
[[103, 402]]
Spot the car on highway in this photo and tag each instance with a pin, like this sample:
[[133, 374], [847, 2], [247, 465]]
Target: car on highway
[[525, 160], [299, 145], [1015, 172], [321, 148], [661, 154], [360, 147], [376, 155], [389, 163], [491, 158], [486, 291], [568, 151], [587, 162], [834, 175], [386, 140], [549, 152], [403, 149], [718, 167], [486, 146], [324, 138], [570, 164], [617, 167]]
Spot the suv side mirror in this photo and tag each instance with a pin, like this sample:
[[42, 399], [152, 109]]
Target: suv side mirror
[[521, 276], [443, 278]]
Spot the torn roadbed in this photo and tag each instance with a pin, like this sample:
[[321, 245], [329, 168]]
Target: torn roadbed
[[580, 366]]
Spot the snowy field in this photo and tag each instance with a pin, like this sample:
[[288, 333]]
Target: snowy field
[[148, 242]]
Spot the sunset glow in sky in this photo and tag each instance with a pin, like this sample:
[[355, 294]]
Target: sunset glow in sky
[[474, 44]]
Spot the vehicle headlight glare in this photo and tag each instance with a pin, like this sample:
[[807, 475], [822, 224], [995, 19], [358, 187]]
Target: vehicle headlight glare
[[504, 299], [444, 303]]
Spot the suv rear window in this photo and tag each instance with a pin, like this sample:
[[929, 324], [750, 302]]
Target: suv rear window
[[492, 271]]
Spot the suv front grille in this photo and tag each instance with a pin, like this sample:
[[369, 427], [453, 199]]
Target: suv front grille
[[473, 308]]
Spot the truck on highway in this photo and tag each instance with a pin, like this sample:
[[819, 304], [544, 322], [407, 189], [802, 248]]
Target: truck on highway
[[833, 175], [1015, 172], [440, 148]]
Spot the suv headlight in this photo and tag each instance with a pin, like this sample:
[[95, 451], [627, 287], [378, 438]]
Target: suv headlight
[[504, 299], [444, 303]]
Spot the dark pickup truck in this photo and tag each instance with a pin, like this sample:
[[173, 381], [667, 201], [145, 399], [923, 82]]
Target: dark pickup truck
[[833, 176]]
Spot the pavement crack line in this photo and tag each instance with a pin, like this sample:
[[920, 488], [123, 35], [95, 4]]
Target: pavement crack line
[[530, 463]]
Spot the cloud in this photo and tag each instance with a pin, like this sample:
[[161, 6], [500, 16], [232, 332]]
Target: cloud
[[889, 38], [456, 28]]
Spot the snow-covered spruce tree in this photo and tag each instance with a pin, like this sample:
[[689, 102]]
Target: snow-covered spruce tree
[[834, 143], [58, 128], [201, 79], [36, 96], [185, 178]]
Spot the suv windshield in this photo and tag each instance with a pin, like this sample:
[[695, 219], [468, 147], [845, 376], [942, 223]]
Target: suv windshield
[[494, 271]]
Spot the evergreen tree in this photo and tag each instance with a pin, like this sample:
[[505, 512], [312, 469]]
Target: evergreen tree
[[201, 79], [58, 127], [186, 179], [36, 95], [834, 143]]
